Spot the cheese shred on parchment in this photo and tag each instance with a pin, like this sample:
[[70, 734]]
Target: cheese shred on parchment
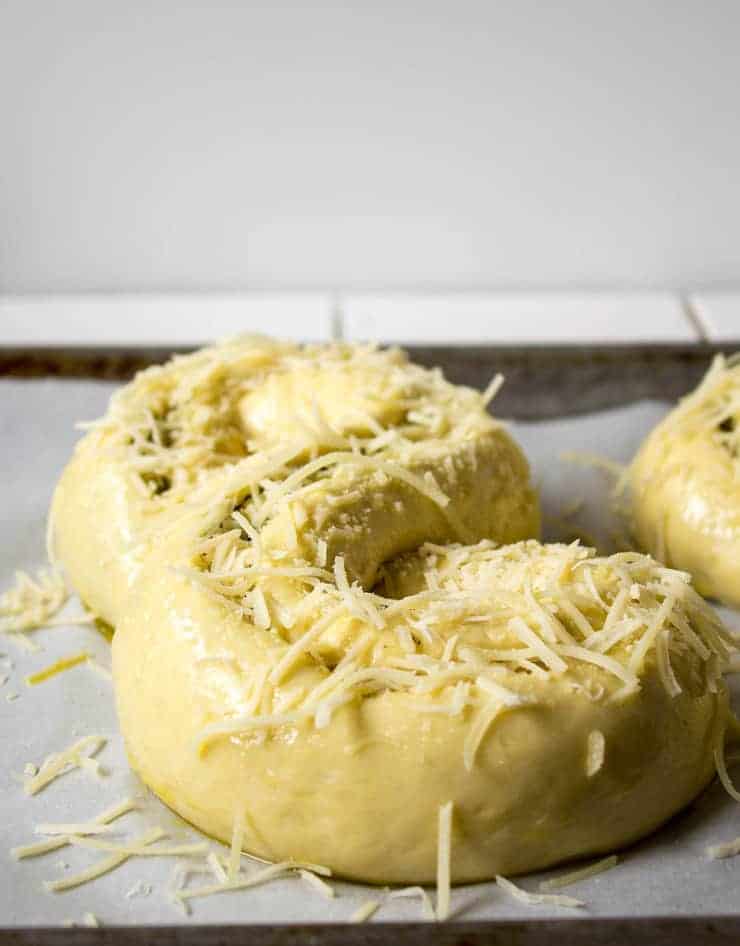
[[725, 849], [415, 892], [537, 899], [316, 883], [104, 818], [365, 911], [73, 827], [59, 763], [104, 865], [583, 873], [444, 853], [237, 838], [31, 602], [242, 882], [59, 666]]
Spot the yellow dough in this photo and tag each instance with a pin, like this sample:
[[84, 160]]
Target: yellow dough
[[685, 485], [565, 704], [319, 642], [259, 405]]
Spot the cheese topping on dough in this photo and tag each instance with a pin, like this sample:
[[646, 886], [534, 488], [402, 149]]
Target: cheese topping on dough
[[523, 610]]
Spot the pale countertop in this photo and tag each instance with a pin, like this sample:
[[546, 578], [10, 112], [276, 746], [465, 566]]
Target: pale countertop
[[460, 317]]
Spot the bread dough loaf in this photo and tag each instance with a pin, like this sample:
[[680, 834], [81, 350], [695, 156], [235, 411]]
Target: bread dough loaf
[[685, 486], [317, 639], [254, 407], [565, 704]]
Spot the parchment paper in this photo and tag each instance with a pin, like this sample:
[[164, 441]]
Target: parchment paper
[[667, 873]]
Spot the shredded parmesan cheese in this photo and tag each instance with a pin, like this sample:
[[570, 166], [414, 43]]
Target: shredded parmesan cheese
[[316, 883], [105, 865], [31, 602], [417, 892], [365, 911], [719, 761], [537, 899], [583, 873], [726, 849], [237, 839], [595, 748], [444, 853], [59, 666], [59, 763], [105, 817]]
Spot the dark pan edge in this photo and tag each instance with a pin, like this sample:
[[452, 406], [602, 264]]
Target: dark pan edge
[[541, 382], [586, 931]]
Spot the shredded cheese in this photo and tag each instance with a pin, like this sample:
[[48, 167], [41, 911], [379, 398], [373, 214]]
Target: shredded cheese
[[365, 911], [417, 892], [595, 750], [726, 849], [32, 601], [116, 811], [537, 899], [583, 873], [444, 854], [719, 761], [316, 883], [237, 839], [105, 865], [59, 763], [59, 666], [72, 827]]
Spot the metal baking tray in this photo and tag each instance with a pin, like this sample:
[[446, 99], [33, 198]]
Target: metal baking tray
[[541, 383]]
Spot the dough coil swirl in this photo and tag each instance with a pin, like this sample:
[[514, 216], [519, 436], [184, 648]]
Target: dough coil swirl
[[339, 621], [685, 487]]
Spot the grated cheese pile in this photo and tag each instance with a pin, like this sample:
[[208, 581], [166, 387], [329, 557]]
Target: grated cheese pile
[[32, 602], [714, 408], [462, 629], [177, 423], [79, 755]]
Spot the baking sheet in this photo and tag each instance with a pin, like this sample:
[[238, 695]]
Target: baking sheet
[[667, 873]]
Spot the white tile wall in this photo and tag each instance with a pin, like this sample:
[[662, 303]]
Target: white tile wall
[[422, 318], [467, 143], [518, 318], [718, 313], [161, 320]]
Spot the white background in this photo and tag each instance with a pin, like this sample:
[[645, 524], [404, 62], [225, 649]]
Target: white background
[[418, 145]]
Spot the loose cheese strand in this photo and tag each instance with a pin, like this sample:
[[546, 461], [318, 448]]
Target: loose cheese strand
[[105, 817], [537, 899], [105, 865], [583, 873], [444, 854]]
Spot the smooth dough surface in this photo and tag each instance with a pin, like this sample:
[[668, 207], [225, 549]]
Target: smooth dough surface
[[318, 636], [187, 426], [359, 791], [686, 489]]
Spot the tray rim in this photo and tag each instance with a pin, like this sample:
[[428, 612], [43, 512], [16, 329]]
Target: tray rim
[[93, 362]]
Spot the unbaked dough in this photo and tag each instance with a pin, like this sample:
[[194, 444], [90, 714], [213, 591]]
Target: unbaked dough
[[255, 407], [685, 485], [319, 639], [489, 679]]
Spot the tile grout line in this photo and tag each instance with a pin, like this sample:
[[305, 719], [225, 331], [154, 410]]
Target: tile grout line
[[336, 317], [694, 317]]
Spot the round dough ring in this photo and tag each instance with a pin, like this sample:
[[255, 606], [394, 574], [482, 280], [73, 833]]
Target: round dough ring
[[178, 432], [685, 488], [222, 720]]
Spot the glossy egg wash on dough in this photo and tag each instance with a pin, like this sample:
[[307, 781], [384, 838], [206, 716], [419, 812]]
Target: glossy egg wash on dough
[[333, 619], [685, 485]]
